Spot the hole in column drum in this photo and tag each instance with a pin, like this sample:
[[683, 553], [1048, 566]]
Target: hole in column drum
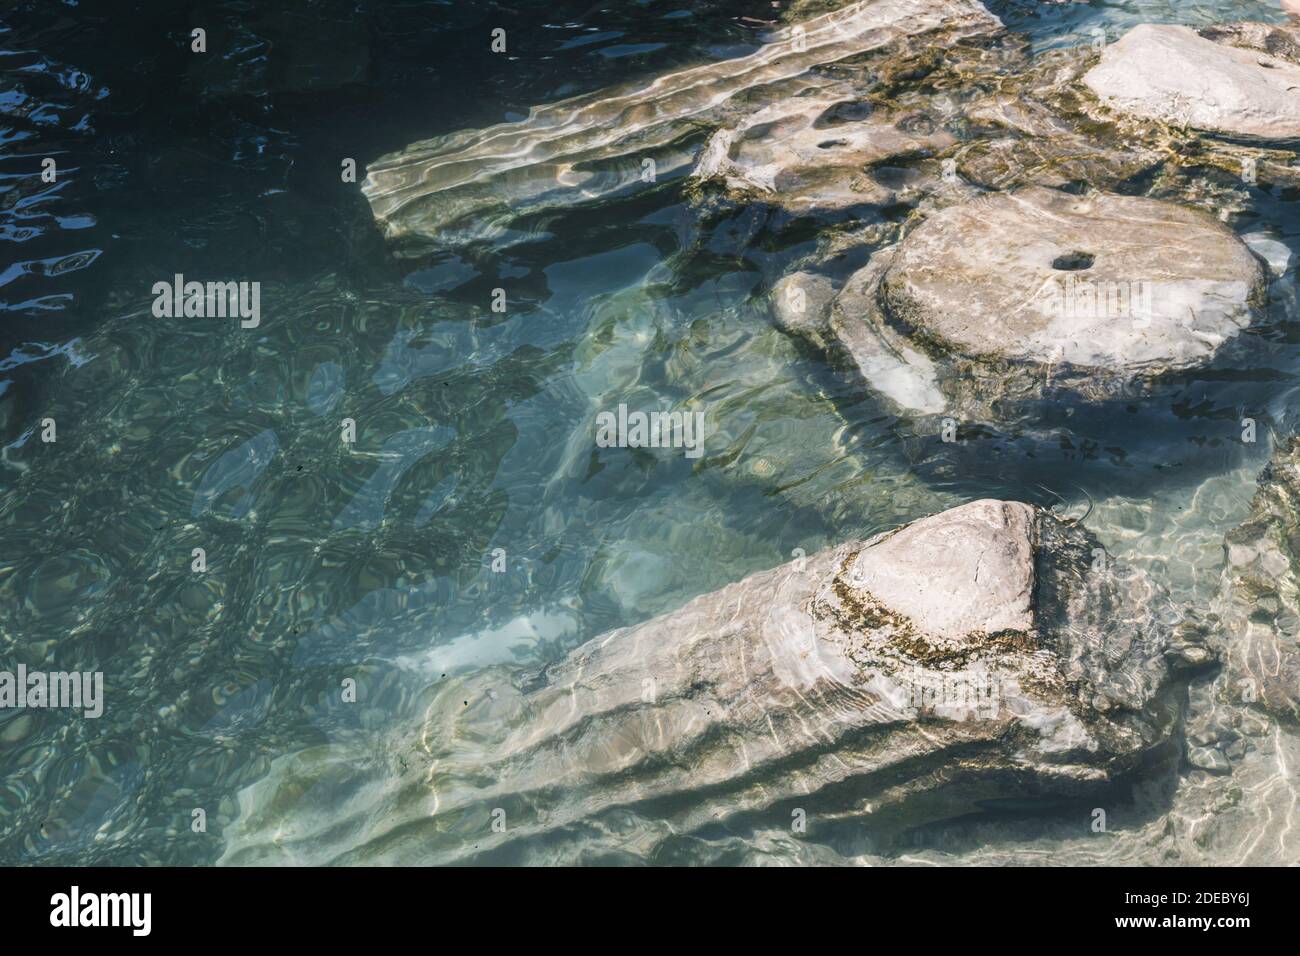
[[1074, 262]]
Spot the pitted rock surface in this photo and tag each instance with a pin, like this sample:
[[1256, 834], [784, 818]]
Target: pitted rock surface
[[815, 152], [470, 185]]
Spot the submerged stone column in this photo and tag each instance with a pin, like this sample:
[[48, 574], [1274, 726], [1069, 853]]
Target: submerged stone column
[[985, 653], [469, 185]]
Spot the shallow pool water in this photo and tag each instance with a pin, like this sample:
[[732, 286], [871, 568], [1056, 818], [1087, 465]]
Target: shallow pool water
[[474, 520]]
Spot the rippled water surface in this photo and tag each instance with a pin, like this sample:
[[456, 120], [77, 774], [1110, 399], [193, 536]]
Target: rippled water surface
[[474, 429]]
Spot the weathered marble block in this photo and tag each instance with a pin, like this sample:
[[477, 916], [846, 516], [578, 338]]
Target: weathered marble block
[[982, 654]]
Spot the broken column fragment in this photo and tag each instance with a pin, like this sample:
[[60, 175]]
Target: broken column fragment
[[969, 657], [998, 300], [471, 184]]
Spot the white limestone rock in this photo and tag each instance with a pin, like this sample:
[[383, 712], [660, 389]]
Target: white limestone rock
[[1202, 79], [929, 571], [1100, 282], [971, 656]]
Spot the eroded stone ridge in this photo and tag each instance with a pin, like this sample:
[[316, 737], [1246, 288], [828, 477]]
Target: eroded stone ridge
[[973, 655], [813, 151], [1240, 80], [470, 184]]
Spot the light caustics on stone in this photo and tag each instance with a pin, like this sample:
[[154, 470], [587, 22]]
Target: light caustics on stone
[[1259, 607], [812, 151], [984, 654], [470, 184], [1012, 293], [978, 655]]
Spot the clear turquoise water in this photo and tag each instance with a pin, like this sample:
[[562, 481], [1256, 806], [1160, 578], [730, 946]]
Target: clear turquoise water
[[474, 429]]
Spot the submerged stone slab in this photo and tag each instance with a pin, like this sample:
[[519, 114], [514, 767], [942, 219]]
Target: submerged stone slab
[[470, 184], [1260, 604], [1013, 293], [1238, 80], [971, 656], [815, 151]]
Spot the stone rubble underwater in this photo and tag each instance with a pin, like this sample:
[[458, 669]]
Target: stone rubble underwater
[[989, 660]]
